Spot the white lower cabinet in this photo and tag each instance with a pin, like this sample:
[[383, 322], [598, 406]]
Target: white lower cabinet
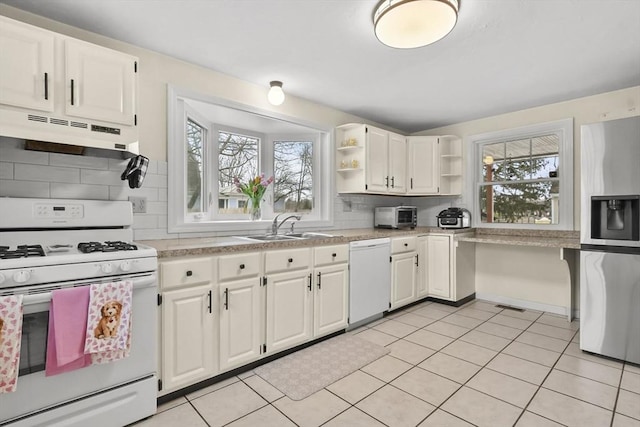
[[448, 270], [331, 299], [404, 269], [439, 266]]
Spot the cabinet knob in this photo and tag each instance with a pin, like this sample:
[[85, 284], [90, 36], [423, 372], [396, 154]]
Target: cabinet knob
[[241, 266], [290, 260], [189, 273], [406, 244]]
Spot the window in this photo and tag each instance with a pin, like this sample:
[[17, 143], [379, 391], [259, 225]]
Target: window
[[524, 177], [213, 143]]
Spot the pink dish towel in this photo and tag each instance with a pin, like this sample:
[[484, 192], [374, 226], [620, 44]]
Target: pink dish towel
[[67, 324], [107, 327], [10, 340]]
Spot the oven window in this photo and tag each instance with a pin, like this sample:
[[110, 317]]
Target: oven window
[[33, 351], [405, 216]]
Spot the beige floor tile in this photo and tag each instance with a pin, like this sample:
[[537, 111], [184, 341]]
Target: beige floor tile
[[415, 307], [632, 368], [429, 339], [409, 352], [171, 404], [263, 388], [485, 305], [519, 368], [431, 313], [499, 330], [395, 314], [379, 321], [574, 350], [559, 321], [263, 417], [217, 386], [246, 374], [582, 388], [542, 341], [395, 328], [313, 410], [510, 321], [183, 416], [425, 385], [481, 409], [552, 331], [469, 352], [476, 314], [529, 419], [443, 419], [395, 407], [353, 417], [585, 368], [377, 337], [532, 353], [567, 410], [503, 387], [228, 404], [631, 382], [450, 367], [629, 404], [447, 329], [444, 307], [387, 368], [355, 387], [464, 321], [620, 420], [524, 315], [414, 320], [492, 342]]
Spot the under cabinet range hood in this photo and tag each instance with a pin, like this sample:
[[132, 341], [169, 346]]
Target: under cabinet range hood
[[58, 89]]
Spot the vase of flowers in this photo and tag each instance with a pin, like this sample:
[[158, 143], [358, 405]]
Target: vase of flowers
[[254, 190]]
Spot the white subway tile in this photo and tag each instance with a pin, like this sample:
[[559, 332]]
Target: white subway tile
[[100, 177], [79, 191], [154, 180], [151, 234], [157, 208], [30, 172], [163, 195], [152, 167], [141, 221], [72, 161], [123, 192], [24, 189], [6, 170], [163, 167], [12, 150], [118, 164]]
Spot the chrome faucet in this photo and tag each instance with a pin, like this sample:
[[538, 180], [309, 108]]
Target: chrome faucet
[[275, 226]]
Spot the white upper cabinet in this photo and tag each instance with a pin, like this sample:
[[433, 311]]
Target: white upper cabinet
[[27, 66], [101, 83], [377, 144], [397, 153], [423, 164]]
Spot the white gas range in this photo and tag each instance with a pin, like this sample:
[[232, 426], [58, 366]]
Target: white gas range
[[48, 244]]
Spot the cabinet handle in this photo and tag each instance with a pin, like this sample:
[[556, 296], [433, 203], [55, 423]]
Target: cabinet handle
[[72, 92], [386, 179], [209, 306], [189, 273], [310, 279], [226, 298], [393, 182], [417, 261], [241, 266], [412, 183], [46, 86], [319, 280], [290, 260]]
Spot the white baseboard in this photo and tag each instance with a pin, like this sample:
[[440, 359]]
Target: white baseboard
[[530, 305]]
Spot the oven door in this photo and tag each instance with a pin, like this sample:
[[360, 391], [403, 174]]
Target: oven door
[[37, 393]]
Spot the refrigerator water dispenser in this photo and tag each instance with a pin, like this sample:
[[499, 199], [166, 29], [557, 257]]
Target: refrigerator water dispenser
[[615, 217]]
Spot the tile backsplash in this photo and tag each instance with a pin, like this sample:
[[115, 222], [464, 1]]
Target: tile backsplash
[[26, 173]]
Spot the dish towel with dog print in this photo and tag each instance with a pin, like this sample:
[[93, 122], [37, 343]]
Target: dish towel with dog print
[[67, 326], [108, 317], [10, 340]]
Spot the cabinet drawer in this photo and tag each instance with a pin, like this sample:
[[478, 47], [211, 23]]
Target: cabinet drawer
[[231, 267], [287, 260], [189, 271], [328, 255], [403, 244]]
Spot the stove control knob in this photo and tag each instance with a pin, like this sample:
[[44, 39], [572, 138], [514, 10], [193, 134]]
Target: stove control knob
[[125, 266], [106, 267], [21, 276]]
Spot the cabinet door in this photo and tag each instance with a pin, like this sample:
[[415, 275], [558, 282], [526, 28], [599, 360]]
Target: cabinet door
[[240, 322], [100, 83], [422, 283], [289, 309], [377, 160], [403, 279], [330, 302], [188, 340], [439, 266], [397, 163], [26, 61], [423, 165]]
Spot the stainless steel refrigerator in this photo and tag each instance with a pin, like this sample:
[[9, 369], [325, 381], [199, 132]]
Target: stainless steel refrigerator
[[610, 239]]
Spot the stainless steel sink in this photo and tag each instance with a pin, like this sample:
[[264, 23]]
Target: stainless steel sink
[[309, 235], [285, 237]]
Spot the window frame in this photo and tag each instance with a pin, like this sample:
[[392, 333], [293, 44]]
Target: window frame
[[179, 222], [563, 129]]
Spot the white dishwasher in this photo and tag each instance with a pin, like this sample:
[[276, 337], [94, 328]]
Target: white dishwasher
[[369, 279]]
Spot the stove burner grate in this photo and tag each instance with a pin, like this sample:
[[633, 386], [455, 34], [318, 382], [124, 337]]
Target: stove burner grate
[[21, 251], [109, 246]]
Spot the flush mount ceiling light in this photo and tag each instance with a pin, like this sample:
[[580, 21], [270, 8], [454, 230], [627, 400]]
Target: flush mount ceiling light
[[406, 24], [275, 95]]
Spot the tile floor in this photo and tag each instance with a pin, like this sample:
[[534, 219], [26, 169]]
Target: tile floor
[[476, 365]]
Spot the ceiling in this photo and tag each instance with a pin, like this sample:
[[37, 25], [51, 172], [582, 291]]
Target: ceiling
[[503, 55]]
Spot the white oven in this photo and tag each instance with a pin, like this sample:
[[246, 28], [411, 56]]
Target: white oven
[[111, 394]]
